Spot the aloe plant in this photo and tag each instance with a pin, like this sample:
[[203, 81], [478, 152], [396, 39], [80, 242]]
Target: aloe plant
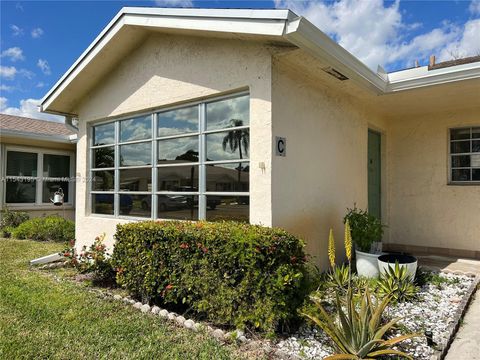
[[357, 329]]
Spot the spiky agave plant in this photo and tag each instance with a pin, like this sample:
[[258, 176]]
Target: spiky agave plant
[[357, 331], [397, 284]]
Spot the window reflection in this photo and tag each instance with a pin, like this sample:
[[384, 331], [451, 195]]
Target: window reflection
[[228, 177], [104, 134], [102, 204], [136, 179], [104, 157], [178, 178], [182, 207], [178, 121], [227, 113], [56, 165], [21, 163], [103, 180], [183, 149], [230, 145], [136, 129], [136, 154], [227, 208], [135, 205], [23, 191]]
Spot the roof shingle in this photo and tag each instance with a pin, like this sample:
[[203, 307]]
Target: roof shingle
[[33, 126]]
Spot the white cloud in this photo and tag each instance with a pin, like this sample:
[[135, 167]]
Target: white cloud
[[174, 3], [3, 103], [4, 87], [37, 32], [40, 84], [8, 72], [376, 32], [43, 65], [474, 7], [16, 30], [28, 108], [466, 44], [13, 53]]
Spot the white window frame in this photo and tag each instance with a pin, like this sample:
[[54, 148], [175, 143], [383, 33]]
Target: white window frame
[[451, 155], [39, 178], [202, 163]]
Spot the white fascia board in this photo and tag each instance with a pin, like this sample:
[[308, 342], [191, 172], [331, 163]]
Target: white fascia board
[[421, 77], [266, 27], [266, 14], [305, 35], [43, 137], [247, 21]]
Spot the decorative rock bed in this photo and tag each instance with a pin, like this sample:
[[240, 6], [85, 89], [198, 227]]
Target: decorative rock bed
[[437, 310]]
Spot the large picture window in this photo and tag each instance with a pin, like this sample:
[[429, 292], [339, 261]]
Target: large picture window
[[184, 163], [34, 177], [465, 155]]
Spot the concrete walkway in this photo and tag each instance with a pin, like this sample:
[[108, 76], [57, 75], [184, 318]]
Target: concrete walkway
[[467, 341], [448, 264]]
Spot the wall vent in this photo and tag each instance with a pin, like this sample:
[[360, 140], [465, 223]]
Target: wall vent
[[335, 73]]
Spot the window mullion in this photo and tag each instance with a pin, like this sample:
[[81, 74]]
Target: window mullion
[[39, 183], [154, 208], [116, 196], [202, 200]]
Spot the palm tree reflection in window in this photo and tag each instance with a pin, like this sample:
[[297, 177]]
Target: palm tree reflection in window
[[236, 140]]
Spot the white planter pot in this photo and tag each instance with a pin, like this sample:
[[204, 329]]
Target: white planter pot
[[367, 264], [388, 260]]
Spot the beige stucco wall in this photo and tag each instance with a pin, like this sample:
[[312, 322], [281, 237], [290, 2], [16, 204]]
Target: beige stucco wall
[[325, 168], [424, 209], [168, 70]]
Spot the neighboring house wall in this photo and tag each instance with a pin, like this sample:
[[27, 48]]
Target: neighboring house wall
[[325, 167], [31, 145], [424, 210], [168, 70]]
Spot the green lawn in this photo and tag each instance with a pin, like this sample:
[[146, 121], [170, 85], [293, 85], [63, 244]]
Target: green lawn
[[41, 318]]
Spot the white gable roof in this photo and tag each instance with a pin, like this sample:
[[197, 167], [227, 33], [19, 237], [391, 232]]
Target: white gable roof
[[273, 25]]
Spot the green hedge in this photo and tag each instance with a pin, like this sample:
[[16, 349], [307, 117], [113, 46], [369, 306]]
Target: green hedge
[[10, 220], [232, 273], [49, 228]]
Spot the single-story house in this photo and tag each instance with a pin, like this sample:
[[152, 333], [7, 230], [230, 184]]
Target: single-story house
[[37, 158], [182, 99]]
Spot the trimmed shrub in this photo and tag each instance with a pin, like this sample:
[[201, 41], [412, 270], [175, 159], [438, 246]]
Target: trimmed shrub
[[10, 220], [49, 228], [231, 273]]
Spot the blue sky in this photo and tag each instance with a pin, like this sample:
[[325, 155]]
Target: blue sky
[[39, 40]]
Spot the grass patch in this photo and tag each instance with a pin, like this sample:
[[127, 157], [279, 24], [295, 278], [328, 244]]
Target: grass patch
[[41, 317]]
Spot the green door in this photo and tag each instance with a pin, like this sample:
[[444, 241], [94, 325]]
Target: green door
[[374, 174]]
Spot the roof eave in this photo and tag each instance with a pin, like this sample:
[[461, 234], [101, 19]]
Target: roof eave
[[67, 139]]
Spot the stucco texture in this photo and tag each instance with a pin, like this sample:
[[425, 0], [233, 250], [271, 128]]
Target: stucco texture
[[167, 70], [424, 209], [325, 168], [326, 124]]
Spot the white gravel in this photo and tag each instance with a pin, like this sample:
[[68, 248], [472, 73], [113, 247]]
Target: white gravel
[[434, 310]]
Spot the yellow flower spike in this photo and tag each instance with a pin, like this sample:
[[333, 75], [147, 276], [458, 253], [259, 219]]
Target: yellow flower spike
[[348, 240], [331, 249]]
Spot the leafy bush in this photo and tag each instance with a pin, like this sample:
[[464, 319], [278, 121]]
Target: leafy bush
[[232, 273], [10, 220], [49, 228], [94, 260], [366, 229]]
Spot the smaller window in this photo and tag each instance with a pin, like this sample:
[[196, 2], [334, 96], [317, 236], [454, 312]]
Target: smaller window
[[465, 155]]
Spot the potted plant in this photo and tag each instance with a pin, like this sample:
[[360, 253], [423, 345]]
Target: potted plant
[[391, 260], [367, 232]]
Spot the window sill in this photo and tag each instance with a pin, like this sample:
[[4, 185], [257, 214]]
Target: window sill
[[463, 183], [38, 207]]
